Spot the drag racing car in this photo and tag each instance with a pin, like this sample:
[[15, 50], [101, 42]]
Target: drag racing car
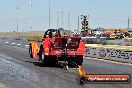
[[55, 48]]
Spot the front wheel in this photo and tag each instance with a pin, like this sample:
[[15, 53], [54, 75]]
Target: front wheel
[[30, 51], [40, 54]]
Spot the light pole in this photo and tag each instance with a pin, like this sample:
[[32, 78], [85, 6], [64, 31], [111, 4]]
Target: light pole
[[60, 14], [57, 19], [128, 21], [49, 14], [69, 21], [17, 22], [30, 12], [78, 24]]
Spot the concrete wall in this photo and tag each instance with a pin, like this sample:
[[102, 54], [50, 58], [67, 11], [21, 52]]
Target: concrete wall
[[110, 52]]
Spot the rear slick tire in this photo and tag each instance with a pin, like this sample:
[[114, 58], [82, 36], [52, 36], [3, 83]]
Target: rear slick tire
[[40, 54]]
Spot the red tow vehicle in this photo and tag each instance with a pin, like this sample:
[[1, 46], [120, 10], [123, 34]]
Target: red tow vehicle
[[55, 48]]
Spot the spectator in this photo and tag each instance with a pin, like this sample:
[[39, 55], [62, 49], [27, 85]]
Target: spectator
[[121, 35], [126, 35], [119, 31], [115, 32]]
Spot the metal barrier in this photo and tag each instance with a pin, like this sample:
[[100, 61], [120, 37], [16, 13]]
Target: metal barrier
[[110, 52]]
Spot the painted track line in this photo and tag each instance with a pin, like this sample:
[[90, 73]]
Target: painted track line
[[6, 42], [13, 43], [26, 45], [18, 44]]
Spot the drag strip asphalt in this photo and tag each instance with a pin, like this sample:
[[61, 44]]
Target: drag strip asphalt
[[18, 70]]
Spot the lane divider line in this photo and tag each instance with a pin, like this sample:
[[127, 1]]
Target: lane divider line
[[6, 42], [26, 45], [18, 44], [12, 43]]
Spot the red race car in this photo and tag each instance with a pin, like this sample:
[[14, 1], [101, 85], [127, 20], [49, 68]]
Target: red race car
[[55, 48]]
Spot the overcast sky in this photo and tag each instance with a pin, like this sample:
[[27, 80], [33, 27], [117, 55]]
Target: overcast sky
[[103, 13]]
